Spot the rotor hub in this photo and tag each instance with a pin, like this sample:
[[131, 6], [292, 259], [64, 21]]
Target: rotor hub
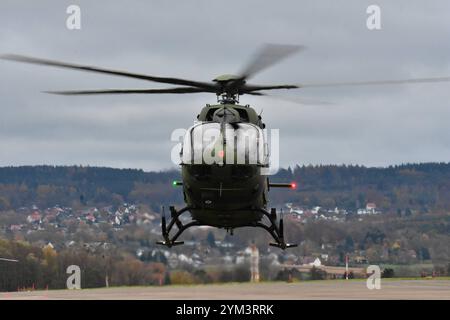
[[227, 98]]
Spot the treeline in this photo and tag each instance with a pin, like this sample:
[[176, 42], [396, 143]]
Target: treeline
[[34, 268], [403, 188], [41, 268], [75, 186]]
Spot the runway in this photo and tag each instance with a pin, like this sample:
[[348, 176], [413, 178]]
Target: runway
[[340, 289]]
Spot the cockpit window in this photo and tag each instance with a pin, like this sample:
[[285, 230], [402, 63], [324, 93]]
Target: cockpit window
[[210, 114], [243, 114], [210, 143]]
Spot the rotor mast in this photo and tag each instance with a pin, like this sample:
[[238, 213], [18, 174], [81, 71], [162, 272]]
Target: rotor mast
[[229, 88], [227, 98]]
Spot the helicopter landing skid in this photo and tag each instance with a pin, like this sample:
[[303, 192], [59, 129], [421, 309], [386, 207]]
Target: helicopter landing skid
[[277, 232], [168, 241]]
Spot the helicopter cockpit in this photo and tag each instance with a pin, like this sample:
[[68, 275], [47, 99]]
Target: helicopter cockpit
[[236, 143]]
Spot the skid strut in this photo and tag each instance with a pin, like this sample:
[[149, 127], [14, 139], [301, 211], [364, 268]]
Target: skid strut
[[172, 241], [277, 232]]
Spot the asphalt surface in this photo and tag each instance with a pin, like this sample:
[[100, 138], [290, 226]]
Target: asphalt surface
[[341, 289]]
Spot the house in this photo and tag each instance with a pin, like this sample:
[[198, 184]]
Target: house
[[49, 246], [371, 208], [315, 210], [34, 218], [15, 227], [324, 256], [294, 210], [90, 218], [316, 263]]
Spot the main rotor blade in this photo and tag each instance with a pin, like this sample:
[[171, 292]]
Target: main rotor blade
[[129, 91], [250, 88], [297, 100], [20, 58], [377, 82], [268, 56]]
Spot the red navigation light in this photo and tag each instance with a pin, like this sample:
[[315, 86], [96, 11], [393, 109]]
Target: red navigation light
[[221, 153], [293, 185]]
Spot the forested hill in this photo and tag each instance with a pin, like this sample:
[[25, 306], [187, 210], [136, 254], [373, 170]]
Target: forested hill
[[47, 186], [421, 187]]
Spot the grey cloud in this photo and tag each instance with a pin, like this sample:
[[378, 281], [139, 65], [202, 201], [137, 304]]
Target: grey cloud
[[200, 39]]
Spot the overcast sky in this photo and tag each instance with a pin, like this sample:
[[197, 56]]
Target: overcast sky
[[201, 39]]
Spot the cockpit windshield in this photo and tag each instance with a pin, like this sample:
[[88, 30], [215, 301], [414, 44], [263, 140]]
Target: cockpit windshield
[[227, 143]]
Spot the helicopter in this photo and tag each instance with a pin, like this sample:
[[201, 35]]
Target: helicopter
[[218, 190]]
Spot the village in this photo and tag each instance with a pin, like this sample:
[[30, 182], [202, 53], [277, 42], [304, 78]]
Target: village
[[136, 229], [60, 218]]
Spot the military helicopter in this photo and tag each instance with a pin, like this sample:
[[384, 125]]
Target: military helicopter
[[220, 191]]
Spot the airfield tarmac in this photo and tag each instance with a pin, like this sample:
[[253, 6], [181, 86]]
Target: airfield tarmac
[[354, 289]]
